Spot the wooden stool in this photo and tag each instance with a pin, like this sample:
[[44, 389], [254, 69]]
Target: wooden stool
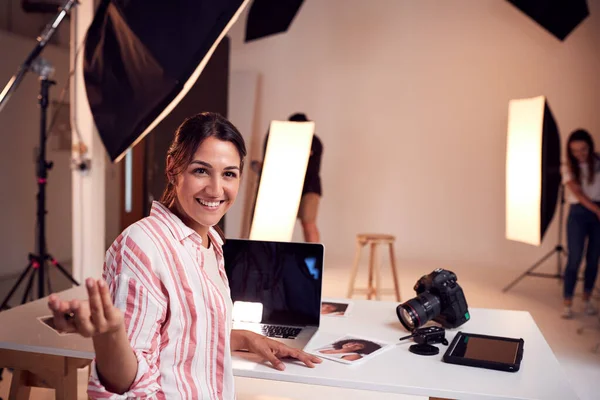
[[362, 240]]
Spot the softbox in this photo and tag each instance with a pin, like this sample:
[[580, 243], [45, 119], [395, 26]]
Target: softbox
[[142, 57], [532, 169], [559, 17], [269, 17]]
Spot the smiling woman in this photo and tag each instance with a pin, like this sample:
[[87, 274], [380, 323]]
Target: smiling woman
[[160, 320], [204, 165]]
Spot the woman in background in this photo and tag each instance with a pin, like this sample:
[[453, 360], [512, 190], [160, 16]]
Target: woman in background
[[160, 321], [581, 176]]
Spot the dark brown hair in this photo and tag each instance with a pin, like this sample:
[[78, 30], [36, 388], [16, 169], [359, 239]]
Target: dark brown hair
[[581, 135], [188, 137]]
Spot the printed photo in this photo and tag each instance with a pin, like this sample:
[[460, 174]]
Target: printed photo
[[351, 349], [335, 309]]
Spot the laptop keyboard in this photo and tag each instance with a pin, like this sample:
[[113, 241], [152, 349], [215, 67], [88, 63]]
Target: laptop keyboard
[[282, 332]]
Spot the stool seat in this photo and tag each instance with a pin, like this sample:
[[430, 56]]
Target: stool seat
[[374, 239]]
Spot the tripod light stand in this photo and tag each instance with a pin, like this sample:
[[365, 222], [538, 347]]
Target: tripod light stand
[[533, 184], [41, 260]]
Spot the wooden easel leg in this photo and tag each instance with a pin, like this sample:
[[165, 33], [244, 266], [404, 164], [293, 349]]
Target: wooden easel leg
[[354, 269], [371, 267], [394, 272], [19, 390]]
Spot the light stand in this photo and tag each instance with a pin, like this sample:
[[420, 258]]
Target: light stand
[[559, 250], [39, 260]]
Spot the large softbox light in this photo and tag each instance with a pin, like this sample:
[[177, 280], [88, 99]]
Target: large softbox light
[[142, 57], [559, 17], [282, 177], [533, 180], [532, 170], [270, 17]]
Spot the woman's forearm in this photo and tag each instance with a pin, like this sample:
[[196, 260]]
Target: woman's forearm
[[582, 198], [588, 203], [116, 362]]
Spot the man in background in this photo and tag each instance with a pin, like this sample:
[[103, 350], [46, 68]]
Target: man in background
[[312, 190]]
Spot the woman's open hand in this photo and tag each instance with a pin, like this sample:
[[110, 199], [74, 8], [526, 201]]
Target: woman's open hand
[[273, 351], [89, 318]]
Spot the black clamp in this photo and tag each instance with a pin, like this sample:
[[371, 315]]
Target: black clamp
[[425, 337]]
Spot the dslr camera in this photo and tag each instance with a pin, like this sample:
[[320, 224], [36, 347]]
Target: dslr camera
[[439, 298]]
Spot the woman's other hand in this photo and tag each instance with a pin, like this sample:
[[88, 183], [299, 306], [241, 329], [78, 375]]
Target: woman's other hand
[[89, 318]]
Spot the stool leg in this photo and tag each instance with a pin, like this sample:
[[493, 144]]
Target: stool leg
[[19, 390], [354, 269], [377, 274], [371, 267], [394, 272]]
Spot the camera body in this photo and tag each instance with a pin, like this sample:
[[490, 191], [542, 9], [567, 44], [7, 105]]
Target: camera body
[[443, 284], [439, 298]]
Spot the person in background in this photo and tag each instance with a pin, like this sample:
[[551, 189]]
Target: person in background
[[160, 319], [312, 190], [581, 176]]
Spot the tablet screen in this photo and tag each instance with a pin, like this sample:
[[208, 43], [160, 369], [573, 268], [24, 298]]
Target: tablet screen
[[487, 349]]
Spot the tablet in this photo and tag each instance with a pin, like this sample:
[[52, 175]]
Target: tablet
[[483, 351]]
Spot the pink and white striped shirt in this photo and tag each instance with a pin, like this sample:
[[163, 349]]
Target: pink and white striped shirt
[[177, 319]]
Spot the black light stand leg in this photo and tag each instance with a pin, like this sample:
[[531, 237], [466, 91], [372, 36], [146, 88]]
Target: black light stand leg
[[27, 293], [63, 270], [14, 288], [529, 271]]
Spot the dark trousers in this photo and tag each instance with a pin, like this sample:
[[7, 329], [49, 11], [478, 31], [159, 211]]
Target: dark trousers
[[582, 224]]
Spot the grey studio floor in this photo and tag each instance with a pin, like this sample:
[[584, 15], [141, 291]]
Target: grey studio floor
[[541, 297]]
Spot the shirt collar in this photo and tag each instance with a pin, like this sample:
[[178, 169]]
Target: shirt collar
[[178, 229]]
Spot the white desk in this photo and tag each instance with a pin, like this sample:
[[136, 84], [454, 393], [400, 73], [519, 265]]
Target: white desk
[[33, 347], [399, 371]]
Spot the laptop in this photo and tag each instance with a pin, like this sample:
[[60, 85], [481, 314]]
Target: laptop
[[276, 288]]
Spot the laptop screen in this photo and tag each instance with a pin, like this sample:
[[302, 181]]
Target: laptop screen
[[284, 277]]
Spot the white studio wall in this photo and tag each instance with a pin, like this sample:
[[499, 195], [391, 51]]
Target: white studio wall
[[410, 101], [243, 92], [278, 199], [88, 189]]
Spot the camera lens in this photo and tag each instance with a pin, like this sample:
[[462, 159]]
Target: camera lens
[[418, 310]]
